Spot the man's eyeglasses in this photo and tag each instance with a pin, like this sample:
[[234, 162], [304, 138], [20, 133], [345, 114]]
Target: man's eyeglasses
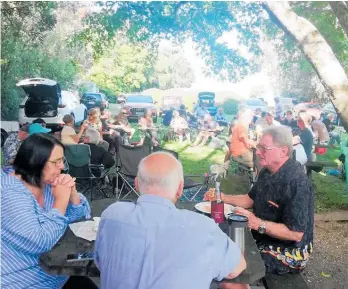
[[57, 162], [263, 149]]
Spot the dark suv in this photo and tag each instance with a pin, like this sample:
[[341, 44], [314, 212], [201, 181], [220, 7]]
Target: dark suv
[[93, 99]]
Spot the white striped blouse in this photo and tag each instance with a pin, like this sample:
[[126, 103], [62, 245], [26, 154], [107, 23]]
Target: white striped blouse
[[29, 230]]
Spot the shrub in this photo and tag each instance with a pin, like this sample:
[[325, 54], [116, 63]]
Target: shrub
[[230, 106]]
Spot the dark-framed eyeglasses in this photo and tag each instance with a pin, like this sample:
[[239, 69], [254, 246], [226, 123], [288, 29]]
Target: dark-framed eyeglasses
[[57, 162]]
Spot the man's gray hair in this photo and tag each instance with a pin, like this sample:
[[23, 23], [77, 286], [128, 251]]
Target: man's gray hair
[[93, 135], [167, 183], [281, 135]]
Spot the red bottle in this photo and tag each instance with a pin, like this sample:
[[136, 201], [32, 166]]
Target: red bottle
[[217, 206]]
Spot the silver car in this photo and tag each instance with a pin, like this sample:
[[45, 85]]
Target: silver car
[[253, 104]]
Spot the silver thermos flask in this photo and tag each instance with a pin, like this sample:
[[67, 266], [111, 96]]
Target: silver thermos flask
[[238, 225]]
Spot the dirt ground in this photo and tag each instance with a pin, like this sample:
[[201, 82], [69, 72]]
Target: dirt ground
[[330, 257]]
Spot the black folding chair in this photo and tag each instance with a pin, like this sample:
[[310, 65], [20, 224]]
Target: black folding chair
[[127, 162], [78, 159]]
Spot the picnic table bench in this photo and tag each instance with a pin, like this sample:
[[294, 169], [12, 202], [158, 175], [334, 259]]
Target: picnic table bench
[[54, 261]]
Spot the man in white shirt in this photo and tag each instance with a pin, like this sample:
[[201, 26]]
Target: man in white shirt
[[68, 134]]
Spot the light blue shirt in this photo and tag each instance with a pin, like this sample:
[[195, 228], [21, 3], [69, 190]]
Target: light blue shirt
[[28, 230], [154, 245]]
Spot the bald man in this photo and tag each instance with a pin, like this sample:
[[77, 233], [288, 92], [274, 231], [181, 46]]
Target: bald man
[[151, 244]]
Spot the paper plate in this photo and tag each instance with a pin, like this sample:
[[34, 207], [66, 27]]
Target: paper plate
[[205, 207]]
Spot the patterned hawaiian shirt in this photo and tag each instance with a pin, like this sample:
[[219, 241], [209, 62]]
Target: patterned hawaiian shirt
[[11, 147], [285, 197]]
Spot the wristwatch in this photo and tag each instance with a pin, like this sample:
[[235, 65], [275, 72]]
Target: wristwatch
[[262, 228]]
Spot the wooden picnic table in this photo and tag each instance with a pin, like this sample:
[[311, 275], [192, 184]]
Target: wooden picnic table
[[54, 261]]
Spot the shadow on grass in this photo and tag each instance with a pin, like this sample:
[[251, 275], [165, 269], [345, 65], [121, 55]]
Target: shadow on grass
[[331, 193]]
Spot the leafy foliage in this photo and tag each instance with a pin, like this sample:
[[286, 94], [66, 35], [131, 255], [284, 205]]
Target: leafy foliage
[[123, 68], [204, 22], [25, 26], [172, 69], [230, 106]]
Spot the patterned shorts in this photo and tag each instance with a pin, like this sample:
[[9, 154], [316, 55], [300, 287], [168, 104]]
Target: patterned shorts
[[282, 261]]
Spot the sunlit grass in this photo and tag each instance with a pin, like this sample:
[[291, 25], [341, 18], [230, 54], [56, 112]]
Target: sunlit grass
[[330, 192]]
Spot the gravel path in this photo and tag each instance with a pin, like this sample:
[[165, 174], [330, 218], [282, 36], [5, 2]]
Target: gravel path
[[330, 256]]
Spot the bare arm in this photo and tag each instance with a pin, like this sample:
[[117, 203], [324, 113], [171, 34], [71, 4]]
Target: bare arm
[[243, 201], [77, 137], [239, 269], [275, 230], [282, 232]]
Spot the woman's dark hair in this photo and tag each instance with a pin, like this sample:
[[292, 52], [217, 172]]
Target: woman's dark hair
[[39, 121], [33, 155]]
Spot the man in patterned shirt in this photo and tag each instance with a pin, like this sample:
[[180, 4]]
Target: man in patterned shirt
[[283, 205], [12, 144]]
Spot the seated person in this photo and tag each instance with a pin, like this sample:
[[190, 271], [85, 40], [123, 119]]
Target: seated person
[[220, 117], [118, 129], [321, 135], [40, 121], [146, 124], [300, 153], [99, 156], [179, 126], [167, 118], [305, 134], [240, 144], [270, 119], [201, 110], [289, 120], [153, 239], [183, 112], [35, 128], [282, 201], [12, 144], [122, 124], [68, 134], [208, 129], [334, 136], [94, 121], [37, 205]]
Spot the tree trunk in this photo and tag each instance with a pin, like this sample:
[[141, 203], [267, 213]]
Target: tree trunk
[[318, 53], [340, 9]]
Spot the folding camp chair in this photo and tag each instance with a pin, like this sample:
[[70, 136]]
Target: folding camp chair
[[78, 158], [127, 162], [192, 189]]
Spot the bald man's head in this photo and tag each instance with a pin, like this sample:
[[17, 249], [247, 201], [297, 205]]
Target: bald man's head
[[160, 174]]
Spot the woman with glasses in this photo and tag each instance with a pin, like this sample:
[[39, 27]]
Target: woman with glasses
[[37, 205], [95, 122]]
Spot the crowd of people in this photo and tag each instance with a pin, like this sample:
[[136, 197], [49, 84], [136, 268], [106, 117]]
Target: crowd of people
[[162, 246]]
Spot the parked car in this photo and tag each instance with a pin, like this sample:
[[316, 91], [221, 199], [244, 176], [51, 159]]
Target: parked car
[[312, 109], [208, 99], [253, 104], [92, 99], [136, 104], [169, 102], [45, 100], [329, 108]]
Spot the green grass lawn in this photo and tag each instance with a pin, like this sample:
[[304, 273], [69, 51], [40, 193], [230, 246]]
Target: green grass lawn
[[330, 192]]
